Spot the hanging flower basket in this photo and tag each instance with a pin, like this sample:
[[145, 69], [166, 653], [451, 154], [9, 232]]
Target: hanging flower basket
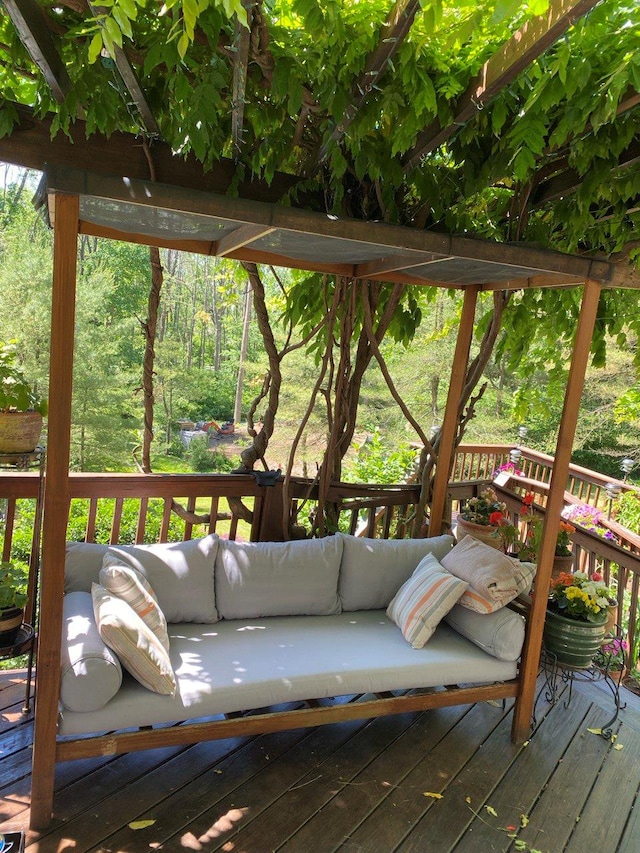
[[574, 643]]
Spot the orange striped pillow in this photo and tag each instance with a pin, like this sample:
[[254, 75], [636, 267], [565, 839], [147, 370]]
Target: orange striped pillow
[[425, 599], [137, 647]]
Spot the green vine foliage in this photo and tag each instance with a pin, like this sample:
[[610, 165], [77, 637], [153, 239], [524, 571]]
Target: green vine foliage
[[306, 61]]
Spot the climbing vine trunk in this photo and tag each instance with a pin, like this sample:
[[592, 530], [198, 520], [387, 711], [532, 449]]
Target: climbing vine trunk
[[149, 327], [244, 346]]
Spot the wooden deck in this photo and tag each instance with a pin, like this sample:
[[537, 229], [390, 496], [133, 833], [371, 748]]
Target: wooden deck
[[444, 780]]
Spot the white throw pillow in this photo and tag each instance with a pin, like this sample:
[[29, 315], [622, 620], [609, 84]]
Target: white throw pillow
[[422, 601], [135, 589], [138, 648]]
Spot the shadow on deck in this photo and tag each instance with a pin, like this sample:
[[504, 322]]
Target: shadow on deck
[[443, 780]]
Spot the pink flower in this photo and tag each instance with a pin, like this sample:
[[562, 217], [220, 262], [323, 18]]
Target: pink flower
[[596, 576]]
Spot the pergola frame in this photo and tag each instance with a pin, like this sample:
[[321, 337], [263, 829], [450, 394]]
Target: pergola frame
[[380, 247]]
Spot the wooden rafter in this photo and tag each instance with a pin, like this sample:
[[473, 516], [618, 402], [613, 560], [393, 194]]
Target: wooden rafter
[[27, 18], [567, 180], [131, 82], [392, 34], [241, 43], [503, 67]]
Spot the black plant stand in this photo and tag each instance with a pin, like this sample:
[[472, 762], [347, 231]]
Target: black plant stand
[[26, 641], [557, 674]]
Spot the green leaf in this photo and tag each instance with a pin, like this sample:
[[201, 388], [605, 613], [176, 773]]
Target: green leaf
[[95, 47], [183, 45]]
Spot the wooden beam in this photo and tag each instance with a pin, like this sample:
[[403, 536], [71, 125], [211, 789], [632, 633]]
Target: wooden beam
[[450, 421], [393, 263], [504, 66], [239, 238], [303, 222], [555, 501], [28, 19], [241, 43], [393, 33], [56, 507], [30, 145], [566, 182]]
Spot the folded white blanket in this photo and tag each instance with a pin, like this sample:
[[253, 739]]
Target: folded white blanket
[[492, 576]]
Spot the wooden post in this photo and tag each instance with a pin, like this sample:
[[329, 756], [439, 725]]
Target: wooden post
[[450, 422], [555, 501], [56, 507]]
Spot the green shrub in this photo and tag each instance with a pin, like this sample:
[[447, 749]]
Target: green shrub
[[627, 511]]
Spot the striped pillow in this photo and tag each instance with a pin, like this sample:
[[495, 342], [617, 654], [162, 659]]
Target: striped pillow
[[423, 600], [132, 587], [137, 647]]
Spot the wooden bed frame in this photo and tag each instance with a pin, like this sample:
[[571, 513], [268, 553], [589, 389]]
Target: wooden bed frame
[[67, 226]]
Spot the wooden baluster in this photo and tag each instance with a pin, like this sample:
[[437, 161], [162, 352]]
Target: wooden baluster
[[116, 521], [142, 520]]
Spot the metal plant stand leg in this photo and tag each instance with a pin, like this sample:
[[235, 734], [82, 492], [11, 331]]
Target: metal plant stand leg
[[557, 674]]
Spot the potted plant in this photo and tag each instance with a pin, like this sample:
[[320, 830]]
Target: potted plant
[[577, 612], [563, 556], [13, 598], [612, 657], [481, 516], [21, 407]]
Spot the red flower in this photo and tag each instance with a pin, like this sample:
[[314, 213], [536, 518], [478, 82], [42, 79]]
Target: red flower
[[496, 517], [528, 499], [596, 576]]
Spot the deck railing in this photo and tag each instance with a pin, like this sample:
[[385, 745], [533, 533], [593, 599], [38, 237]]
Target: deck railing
[[133, 508]]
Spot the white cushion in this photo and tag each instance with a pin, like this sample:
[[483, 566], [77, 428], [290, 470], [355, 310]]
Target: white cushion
[[252, 663], [500, 634], [181, 573], [373, 570], [90, 673], [138, 648], [423, 600], [135, 589], [278, 578]]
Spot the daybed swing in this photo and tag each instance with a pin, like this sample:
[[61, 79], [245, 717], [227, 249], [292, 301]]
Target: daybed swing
[[168, 216]]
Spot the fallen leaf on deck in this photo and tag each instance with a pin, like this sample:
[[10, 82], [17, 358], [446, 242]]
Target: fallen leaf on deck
[[141, 824], [595, 731], [618, 746], [524, 820], [432, 795], [467, 800], [491, 811]]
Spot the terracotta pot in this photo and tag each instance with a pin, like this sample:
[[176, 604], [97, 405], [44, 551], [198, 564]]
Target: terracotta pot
[[19, 431], [561, 564], [10, 622], [484, 532], [574, 643]]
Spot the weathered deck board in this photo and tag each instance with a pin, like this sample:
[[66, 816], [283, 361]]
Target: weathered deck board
[[355, 787]]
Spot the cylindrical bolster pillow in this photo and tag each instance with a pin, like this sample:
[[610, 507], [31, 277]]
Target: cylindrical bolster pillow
[[501, 633], [90, 673]]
